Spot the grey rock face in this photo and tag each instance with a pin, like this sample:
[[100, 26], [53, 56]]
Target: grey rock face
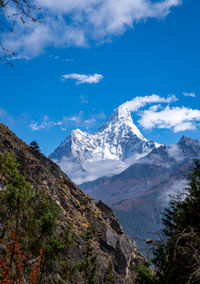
[[121, 247]]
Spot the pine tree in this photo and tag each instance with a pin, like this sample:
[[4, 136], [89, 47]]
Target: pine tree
[[90, 264], [34, 145], [32, 215], [178, 257]]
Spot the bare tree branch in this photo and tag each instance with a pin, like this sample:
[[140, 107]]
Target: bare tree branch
[[11, 12]]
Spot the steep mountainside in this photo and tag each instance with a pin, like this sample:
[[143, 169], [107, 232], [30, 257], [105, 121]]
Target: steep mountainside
[[110, 242], [116, 145]]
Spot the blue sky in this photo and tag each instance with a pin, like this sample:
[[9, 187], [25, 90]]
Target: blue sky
[[144, 51]]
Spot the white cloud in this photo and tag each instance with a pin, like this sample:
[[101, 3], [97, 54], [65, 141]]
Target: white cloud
[[20, 57], [102, 18], [35, 126], [174, 152], [56, 57], [75, 22], [176, 118], [82, 78], [76, 120], [79, 120], [33, 38], [139, 102], [94, 169], [155, 107], [46, 124], [193, 95], [175, 188]]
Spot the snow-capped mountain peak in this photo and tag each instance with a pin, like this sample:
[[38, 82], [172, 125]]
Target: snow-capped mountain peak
[[121, 118], [117, 144], [120, 114]]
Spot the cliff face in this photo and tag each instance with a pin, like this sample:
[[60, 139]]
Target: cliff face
[[110, 242]]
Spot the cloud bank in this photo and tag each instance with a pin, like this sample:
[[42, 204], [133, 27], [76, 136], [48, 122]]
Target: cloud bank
[[82, 78], [139, 102], [76, 22], [156, 116], [79, 120], [176, 118], [46, 124]]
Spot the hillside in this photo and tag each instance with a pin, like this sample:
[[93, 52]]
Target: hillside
[[110, 242]]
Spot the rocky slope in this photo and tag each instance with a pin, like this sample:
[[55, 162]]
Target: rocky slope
[[111, 241], [116, 145]]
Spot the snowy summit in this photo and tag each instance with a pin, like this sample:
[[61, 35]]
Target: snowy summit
[[117, 144]]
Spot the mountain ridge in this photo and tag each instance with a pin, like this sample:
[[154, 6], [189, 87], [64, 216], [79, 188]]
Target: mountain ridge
[[145, 173], [139, 194]]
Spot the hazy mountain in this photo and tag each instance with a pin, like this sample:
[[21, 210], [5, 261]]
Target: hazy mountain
[[117, 144], [159, 165], [140, 193]]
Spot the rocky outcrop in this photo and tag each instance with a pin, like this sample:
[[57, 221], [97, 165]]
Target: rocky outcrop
[[115, 241], [110, 241]]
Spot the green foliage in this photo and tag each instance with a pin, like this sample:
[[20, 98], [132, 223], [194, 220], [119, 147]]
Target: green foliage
[[21, 157], [69, 236], [14, 200], [91, 231], [69, 270], [32, 214], [145, 274], [108, 277], [178, 257], [90, 264]]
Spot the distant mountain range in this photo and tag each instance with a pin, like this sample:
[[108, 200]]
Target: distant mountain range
[[133, 175], [139, 194], [159, 165]]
